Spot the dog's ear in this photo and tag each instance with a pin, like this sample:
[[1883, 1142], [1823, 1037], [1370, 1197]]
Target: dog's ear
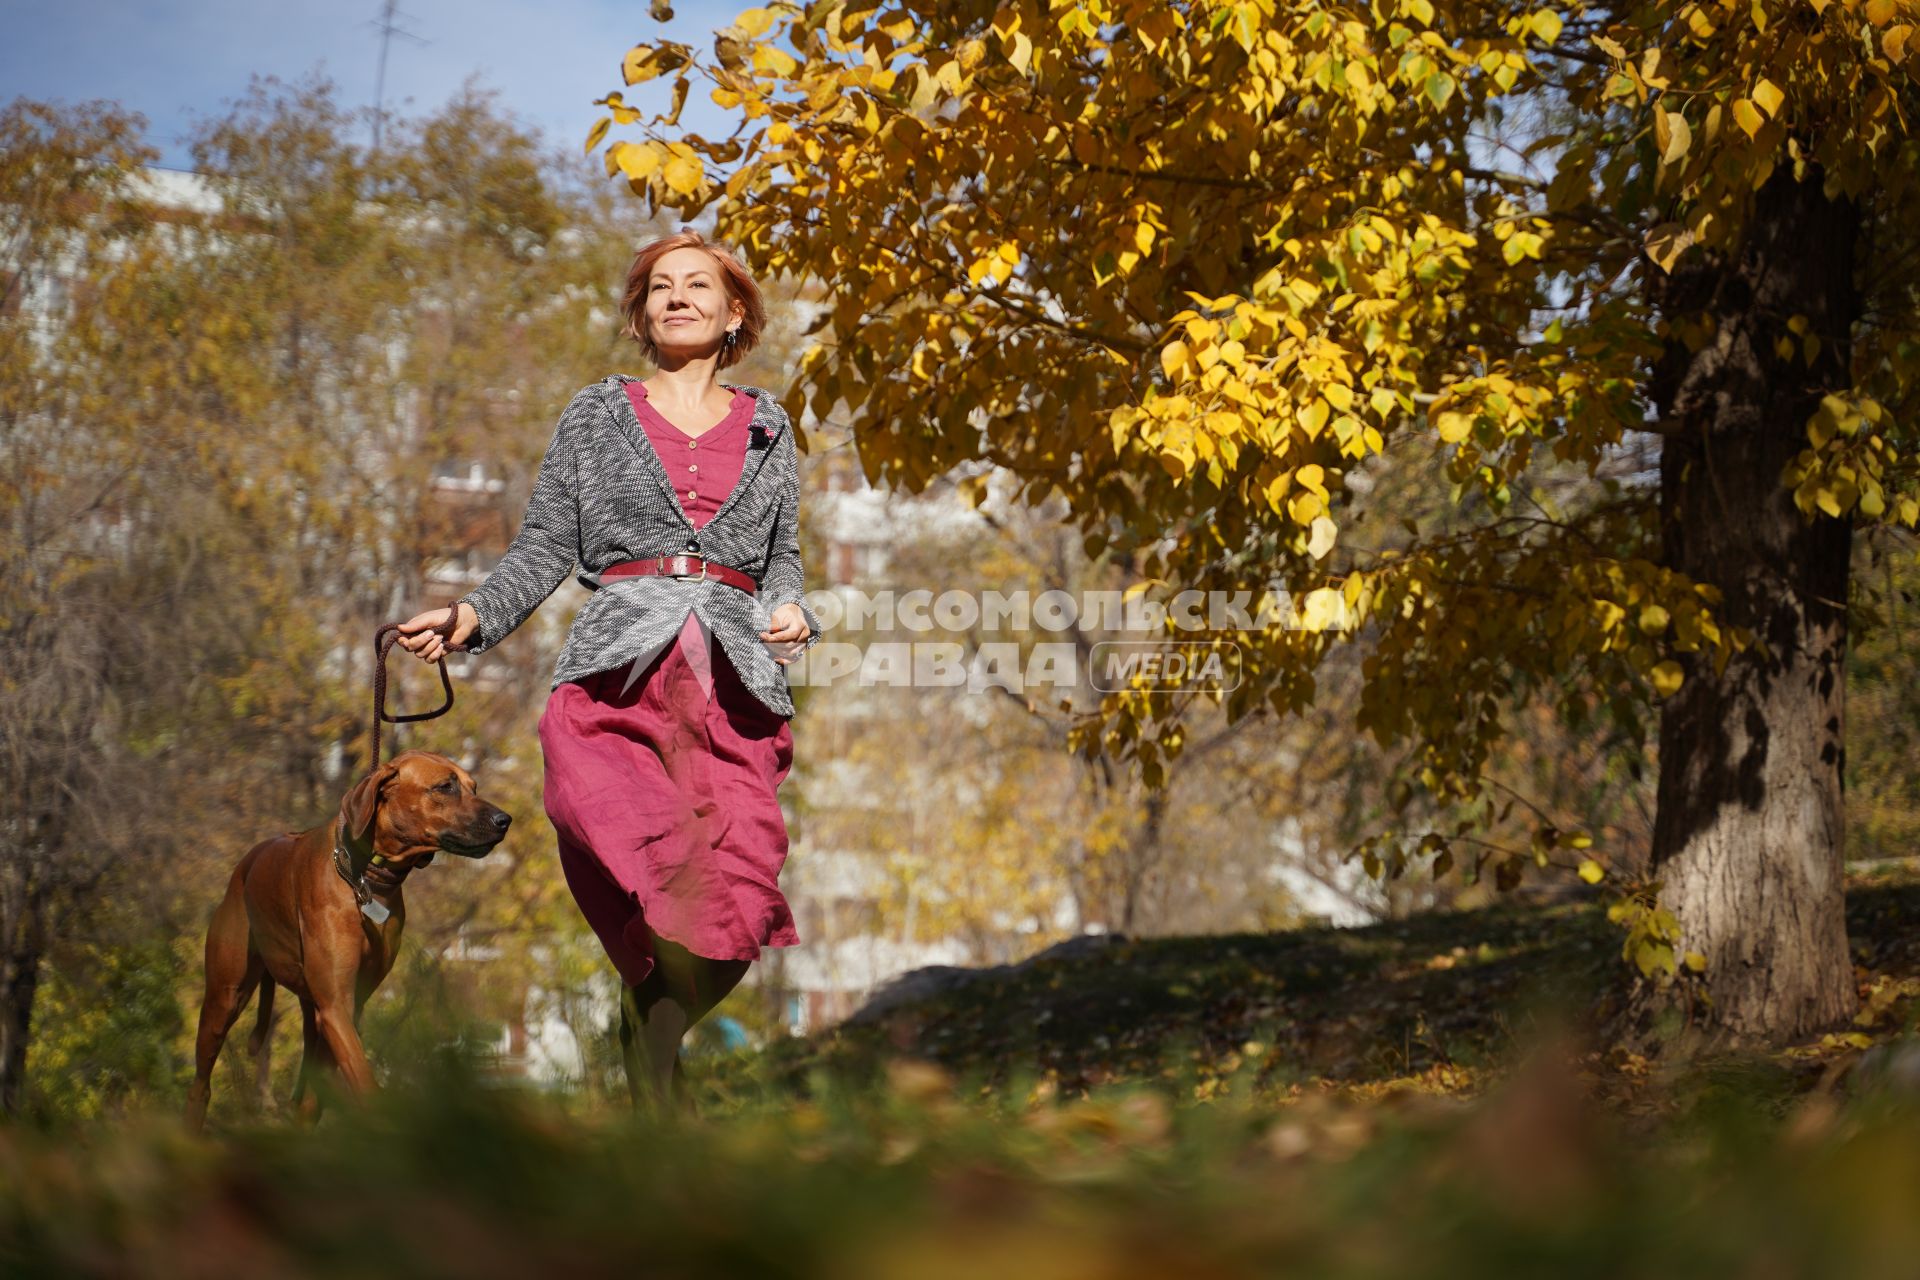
[[357, 810]]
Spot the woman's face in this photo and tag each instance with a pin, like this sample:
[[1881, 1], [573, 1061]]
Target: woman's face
[[687, 309]]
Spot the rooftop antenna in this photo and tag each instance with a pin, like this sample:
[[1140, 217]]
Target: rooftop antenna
[[387, 24]]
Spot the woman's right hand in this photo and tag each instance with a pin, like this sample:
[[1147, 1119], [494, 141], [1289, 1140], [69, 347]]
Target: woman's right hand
[[428, 645]]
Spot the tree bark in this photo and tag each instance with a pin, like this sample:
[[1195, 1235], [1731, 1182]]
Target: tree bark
[[22, 943], [1748, 836]]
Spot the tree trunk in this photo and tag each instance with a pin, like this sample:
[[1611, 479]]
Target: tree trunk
[[22, 943], [1748, 837]]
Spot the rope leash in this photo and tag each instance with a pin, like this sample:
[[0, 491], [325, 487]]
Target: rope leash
[[383, 641]]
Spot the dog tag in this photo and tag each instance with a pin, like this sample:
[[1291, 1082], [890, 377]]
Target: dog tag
[[375, 910]]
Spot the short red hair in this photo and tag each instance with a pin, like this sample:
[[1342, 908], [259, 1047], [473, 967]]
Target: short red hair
[[739, 287]]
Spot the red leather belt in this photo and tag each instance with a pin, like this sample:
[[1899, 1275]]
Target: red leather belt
[[681, 566]]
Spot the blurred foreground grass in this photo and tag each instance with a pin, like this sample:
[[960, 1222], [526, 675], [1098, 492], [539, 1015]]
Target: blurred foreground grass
[[915, 1176], [1409, 1100]]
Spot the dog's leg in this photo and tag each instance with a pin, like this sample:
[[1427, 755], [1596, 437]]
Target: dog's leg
[[315, 1061], [260, 1043], [233, 970], [343, 1039], [333, 987]]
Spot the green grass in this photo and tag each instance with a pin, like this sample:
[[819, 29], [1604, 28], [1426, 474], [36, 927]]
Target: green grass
[[1322, 1103], [913, 1177], [1444, 997]]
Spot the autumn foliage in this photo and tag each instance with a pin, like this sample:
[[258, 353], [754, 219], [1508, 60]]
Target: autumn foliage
[[1216, 273]]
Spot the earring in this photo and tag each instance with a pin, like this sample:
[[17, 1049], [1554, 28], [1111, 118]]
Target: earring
[[732, 336]]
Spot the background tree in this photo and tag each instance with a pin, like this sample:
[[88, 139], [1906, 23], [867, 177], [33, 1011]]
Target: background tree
[[1206, 268], [72, 726], [224, 426]]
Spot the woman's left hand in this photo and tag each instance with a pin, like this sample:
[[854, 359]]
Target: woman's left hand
[[786, 633]]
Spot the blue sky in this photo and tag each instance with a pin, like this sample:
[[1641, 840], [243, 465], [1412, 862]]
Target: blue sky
[[178, 62]]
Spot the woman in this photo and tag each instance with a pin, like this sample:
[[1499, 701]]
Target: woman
[[666, 732]]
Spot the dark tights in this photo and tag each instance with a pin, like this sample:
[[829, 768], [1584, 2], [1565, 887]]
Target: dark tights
[[657, 1012]]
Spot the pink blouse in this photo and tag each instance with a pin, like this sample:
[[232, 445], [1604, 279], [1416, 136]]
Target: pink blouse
[[703, 469]]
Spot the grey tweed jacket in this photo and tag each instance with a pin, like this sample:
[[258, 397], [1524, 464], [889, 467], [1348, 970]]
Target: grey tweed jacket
[[603, 496]]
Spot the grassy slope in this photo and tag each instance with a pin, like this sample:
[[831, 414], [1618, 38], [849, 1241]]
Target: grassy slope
[[1441, 997]]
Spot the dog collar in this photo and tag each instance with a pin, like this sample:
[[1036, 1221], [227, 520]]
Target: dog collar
[[370, 907]]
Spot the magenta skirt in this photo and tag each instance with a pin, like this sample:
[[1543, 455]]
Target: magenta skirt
[[662, 796]]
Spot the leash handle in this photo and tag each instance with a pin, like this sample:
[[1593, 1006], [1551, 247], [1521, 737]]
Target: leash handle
[[383, 641]]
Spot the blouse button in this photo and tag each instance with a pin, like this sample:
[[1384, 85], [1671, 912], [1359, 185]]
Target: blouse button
[[693, 444], [693, 466], [691, 495]]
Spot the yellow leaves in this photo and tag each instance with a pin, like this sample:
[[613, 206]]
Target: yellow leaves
[[645, 61], [1439, 88], [1339, 395], [1312, 478], [754, 22], [998, 266], [1321, 535], [1592, 872], [1666, 242], [1671, 135], [1546, 24], [1521, 244], [672, 118], [1453, 425], [950, 77], [1154, 25], [1893, 43], [1667, 677], [1768, 95], [683, 172], [1420, 11], [1324, 609], [1880, 12], [1848, 466], [638, 65], [1019, 51], [771, 60], [1747, 116], [1222, 424], [1359, 81], [638, 161], [1312, 417], [1275, 491], [1175, 358], [1244, 21], [1077, 20], [599, 131], [622, 113]]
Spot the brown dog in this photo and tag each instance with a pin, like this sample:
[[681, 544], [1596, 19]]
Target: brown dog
[[320, 913]]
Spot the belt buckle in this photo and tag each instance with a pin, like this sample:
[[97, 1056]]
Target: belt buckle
[[687, 577]]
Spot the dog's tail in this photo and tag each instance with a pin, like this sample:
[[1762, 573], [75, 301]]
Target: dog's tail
[[260, 1043]]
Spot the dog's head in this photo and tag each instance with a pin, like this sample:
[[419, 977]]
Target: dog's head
[[419, 804]]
